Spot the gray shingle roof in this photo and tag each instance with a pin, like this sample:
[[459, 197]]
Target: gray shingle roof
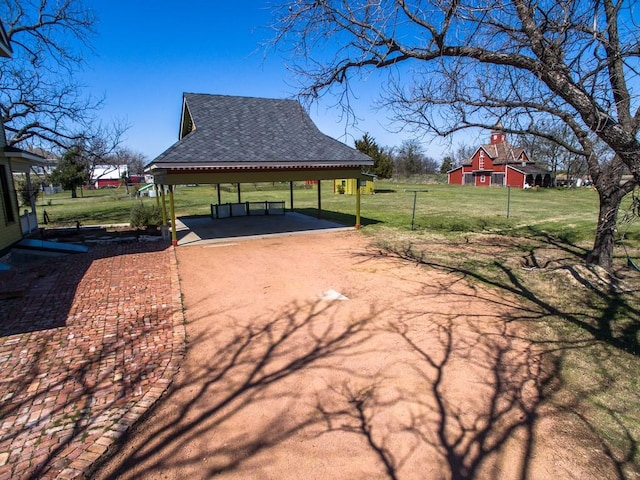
[[220, 129]]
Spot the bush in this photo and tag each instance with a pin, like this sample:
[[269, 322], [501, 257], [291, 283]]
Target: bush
[[143, 216], [24, 196]]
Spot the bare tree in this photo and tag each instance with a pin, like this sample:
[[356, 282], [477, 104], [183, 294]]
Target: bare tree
[[459, 64], [409, 159], [41, 102], [555, 157], [100, 146], [135, 161], [462, 153]]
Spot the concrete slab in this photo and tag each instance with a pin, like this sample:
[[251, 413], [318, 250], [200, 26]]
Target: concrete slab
[[204, 229]]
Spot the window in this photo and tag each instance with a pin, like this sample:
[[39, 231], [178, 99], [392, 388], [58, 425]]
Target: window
[[497, 179], [6, 196], [481, 160], [482, 178]]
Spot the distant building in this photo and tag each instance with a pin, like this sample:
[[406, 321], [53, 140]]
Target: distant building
[[113, 176], [500, 163], [348, 186], [108, 176]]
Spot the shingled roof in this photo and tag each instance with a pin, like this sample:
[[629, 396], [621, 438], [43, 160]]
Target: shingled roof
[[220, 131], [502, 153]]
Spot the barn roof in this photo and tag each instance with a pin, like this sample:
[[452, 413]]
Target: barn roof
[[501, 153], [529, 169], [504, 153], [220, 131]]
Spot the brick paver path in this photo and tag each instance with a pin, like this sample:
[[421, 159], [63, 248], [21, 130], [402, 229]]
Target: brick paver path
[[84, 352]]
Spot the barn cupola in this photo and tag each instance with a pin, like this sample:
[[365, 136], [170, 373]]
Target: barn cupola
[[498, 135]]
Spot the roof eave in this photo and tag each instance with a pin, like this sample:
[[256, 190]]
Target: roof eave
[[22, 155], [258, 165]]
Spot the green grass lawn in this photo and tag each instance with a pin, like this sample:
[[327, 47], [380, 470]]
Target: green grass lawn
[[569, 214], [589, 329]]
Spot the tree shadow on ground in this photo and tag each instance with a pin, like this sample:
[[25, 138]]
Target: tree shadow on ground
[[465, 437], [609, 311], [48, 288], [399, 392], [239, 377], [74, 355], [604, 315]]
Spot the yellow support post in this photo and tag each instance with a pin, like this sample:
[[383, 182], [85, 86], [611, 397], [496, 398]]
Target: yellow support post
[[174, 233], [155, 188], [358, 226]]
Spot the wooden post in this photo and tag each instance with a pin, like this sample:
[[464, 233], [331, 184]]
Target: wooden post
[[319, 199], [239, 200], [291, 193], [155, 189], [413, 214], [32, 198], [164, 205], [219, 194], [174, 233], [358, 226]]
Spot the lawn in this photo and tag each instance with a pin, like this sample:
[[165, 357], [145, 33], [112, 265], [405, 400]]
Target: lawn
[[451, 210], [586, 322]]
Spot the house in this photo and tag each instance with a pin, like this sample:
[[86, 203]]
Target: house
[[230, 139], [499, 163], [43, 170], [13, 160]]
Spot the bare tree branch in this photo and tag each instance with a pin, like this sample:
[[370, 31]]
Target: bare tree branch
[[41, 102], [455, 64]]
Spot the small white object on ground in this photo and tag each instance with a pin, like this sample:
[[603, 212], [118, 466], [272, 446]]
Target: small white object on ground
[[332, 295]]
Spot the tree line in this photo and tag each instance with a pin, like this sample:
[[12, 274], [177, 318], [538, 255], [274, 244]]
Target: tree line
[[407, 160], [410, 158]]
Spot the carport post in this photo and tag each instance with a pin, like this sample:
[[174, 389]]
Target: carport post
[[291, 193], [219, 195], [319, 200], [358, 204], [164, 205], [155, 189], [239, 199], [174, 234]]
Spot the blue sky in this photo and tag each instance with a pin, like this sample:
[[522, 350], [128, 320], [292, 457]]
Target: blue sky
[[148, 53]]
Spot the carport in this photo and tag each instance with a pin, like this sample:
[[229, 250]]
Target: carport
[[228, 139]]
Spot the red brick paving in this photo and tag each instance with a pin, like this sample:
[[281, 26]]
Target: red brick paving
[[84, 352]]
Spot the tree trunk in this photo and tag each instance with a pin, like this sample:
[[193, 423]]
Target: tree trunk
[[74, 192], [602, 253]]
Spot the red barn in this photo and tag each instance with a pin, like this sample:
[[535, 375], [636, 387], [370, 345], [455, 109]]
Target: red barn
[[499, 163]]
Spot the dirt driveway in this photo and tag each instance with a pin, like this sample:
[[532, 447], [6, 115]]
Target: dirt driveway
[[316, 357]]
